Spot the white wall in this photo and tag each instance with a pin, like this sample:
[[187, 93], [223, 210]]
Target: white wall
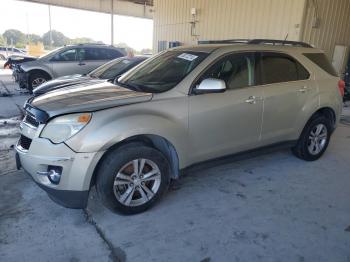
[[227, 19]]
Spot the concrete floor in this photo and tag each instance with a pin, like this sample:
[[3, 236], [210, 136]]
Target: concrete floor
[[267, 207]]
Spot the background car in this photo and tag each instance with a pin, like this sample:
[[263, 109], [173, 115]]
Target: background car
[[8, 51], [109, 71], [2, 61], [347, 83], [67, 60]]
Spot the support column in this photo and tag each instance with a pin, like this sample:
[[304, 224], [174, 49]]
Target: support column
[[50, 45], [112, 22]]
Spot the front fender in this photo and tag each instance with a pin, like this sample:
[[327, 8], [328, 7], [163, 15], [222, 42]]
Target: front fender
[[35, 66], [112, 126]]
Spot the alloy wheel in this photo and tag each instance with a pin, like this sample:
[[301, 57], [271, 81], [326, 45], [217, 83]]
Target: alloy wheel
[[137, 182], [38, 81], [317, 139]]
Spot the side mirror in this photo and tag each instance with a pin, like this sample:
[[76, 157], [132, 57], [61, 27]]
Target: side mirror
[[211, 85], [115, 80]]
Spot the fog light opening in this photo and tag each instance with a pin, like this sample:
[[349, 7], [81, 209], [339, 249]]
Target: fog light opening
[[54, 174]]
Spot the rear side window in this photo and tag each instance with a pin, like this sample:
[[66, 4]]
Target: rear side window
[[100, 54], [279, 68], [321, 60]]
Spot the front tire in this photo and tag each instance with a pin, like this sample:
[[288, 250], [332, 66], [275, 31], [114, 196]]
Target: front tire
[[36, 79], [132, 178], [314, 139]]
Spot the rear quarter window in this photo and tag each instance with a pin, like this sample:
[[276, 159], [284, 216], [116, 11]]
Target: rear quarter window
[[322, 61]]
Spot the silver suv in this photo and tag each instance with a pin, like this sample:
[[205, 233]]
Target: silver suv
[[67, 60], [181, 107]]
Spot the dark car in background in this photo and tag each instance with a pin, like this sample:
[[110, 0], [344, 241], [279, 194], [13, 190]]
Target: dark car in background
[[107, 72], [67, 60]]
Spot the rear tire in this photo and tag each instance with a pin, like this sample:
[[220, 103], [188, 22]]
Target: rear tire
[[314, 139], [125, 180]]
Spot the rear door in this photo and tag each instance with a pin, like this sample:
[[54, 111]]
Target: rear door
[[225, 123], [287, 90]]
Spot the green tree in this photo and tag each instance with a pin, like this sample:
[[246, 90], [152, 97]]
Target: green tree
[[33, 38], [146, 51], [82, 40], [2, 40], [127, 48], [14, 37], [58, 39]]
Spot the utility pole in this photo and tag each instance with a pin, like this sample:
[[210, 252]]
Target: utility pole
[[112, 22], [27, 21], [50, 45]]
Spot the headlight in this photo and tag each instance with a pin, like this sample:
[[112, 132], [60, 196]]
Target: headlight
[[62, 128]]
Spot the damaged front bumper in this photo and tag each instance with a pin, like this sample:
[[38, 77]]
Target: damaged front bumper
[[64, 174]]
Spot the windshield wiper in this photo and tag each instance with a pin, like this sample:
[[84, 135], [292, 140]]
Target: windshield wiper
[[129, 86]]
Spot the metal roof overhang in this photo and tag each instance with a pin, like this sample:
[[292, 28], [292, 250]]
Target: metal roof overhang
[[135, 8]]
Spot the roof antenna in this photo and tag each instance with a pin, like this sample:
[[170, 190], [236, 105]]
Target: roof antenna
[[285, 39]]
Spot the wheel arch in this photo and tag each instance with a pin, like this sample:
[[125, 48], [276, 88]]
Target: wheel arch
[[155, 141], [41, 71], [327, 112]]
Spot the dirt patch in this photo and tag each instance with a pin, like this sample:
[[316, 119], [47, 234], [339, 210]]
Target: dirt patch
[[9, 134]]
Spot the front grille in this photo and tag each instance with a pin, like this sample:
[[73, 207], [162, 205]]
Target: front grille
[[24, 142], [31, 120]]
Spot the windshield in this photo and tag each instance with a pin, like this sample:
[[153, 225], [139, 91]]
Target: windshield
[[114, 68], [163, 72]]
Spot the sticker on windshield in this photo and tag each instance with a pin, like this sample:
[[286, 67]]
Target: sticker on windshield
[[188, 57]]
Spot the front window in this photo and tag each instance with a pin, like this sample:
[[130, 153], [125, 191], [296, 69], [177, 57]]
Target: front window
[[163, 72], [66, 56], [237, 70]]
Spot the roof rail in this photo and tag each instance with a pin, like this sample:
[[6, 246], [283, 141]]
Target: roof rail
[[102, 44], [278, 42], [256, 42], [227, 41]]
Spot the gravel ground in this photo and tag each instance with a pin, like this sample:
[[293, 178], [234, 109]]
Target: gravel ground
[[268, 206]]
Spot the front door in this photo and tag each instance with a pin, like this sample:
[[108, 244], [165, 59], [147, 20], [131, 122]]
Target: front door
[[228, 122], [68, 62]]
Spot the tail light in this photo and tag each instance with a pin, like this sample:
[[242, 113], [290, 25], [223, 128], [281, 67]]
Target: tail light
[[341, 86]]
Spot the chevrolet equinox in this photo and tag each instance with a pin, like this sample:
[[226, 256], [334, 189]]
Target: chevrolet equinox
[[183, 106]]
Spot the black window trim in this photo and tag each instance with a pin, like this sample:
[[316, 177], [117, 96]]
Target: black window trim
[[253, 53], [282, 54]]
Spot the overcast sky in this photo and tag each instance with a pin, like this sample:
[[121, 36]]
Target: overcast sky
[[34, 19]]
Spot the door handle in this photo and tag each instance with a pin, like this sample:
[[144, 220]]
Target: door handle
[[252, 99], [303, 90]]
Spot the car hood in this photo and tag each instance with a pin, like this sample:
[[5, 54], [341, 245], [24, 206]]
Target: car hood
[[61, 82], [87, 98]]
